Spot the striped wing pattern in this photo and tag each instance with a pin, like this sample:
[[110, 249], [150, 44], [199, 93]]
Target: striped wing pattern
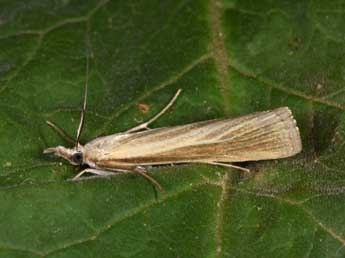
[[259, 136]]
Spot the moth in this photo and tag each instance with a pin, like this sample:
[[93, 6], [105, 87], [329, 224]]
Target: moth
[[258, 136]]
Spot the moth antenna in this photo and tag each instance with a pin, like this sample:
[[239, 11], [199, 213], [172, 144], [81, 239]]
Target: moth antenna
[[61, 132], [82, 116]]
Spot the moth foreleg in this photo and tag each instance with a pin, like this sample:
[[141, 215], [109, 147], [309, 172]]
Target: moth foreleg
[[140, 170], [145, 126], [94, 171]]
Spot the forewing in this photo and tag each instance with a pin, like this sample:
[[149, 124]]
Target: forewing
[[258, 136]]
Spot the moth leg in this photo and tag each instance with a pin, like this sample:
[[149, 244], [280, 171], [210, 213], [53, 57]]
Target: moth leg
[[95, 172], [226, 165], [144, 126], [142, 171]]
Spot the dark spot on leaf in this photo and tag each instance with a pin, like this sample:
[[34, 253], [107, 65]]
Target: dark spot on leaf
[[144, 108], [324, 129]]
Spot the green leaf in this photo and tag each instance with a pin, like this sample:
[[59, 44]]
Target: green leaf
[[230, 58]]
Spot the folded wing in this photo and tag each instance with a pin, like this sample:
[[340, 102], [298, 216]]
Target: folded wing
[[259, 136]]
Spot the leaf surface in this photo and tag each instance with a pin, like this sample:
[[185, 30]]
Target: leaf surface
[[230, 58]]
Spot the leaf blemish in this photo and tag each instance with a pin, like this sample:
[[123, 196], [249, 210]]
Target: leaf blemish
[[7, 164], [144, 108]]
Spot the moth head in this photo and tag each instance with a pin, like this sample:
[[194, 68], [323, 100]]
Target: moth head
[[73, 155]]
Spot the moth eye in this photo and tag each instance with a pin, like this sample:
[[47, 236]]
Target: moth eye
[[77, 158]]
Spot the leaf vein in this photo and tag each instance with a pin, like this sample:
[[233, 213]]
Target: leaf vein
[[131, 214], [161, 86], [326, 229], [289, 91]]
